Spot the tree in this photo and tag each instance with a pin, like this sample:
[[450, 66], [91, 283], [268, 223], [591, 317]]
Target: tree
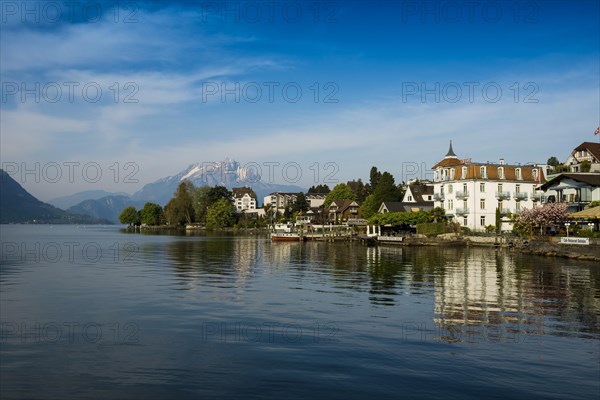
[[151, 214], [553, 162], [301, 204], [179, 210], [498, 221], [369, 206], [201, 200], [220, 214], [585, 166], [374, 176], [217, 193], [341, 191], [359, 189], [549, 214], [129, 216], [319, 189], [386, 190]]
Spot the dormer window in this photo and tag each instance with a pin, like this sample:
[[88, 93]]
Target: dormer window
[[483, 172], [518, 174], [452, 174], [535, 174], [464, 173], [500, 172]]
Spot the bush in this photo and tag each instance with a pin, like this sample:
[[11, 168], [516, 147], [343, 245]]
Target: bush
[[431, 229]]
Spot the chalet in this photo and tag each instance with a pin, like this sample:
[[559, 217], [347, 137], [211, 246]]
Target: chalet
[[586, 152], [577, 190], [342, 210]]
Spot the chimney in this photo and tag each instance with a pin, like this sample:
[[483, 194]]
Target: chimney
[[502, 161]]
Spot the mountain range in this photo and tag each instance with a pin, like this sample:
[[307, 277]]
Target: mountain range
[[17, 206], [228, 173]]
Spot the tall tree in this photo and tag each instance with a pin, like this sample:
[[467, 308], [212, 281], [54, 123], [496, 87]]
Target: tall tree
[[319, 189], [341, 191], [220, 214], [152, 214], [386, 190], [374, 176], [553, 161], [201, 200], [359, 189], [180, 210], [217, 193], [129, 216], [301, 204]]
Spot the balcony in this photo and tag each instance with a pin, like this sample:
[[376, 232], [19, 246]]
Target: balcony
[[462, 211], [462, 195], [503, 195], [520, 196], [438, 197], [505, 211], [538, 197]]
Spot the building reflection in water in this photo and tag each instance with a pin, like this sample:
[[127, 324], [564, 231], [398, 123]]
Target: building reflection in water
[[512, 294], [474, 290]]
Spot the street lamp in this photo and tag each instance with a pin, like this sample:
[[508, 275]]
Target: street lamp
[[567, 226], [591, 225]]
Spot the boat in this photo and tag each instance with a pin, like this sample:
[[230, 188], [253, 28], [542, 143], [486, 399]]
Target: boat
[[285, 232]]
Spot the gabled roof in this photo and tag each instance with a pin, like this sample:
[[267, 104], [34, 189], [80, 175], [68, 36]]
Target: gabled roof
[[398, 206], [591, 147], [393, 206], [589, 179], [343, 205], [240, 192], [419, 190]]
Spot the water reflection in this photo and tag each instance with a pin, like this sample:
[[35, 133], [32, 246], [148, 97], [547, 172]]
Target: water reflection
[[475, 291], [216, 261]]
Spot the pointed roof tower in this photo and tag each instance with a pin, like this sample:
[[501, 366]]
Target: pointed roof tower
[[449, 160], [450, 153]]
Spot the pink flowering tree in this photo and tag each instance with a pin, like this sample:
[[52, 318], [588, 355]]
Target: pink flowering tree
[[549, 214]]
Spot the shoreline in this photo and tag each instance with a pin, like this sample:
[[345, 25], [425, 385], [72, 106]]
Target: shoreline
[[546, 246]]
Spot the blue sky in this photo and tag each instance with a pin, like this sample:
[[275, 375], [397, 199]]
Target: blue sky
[[385, 83]]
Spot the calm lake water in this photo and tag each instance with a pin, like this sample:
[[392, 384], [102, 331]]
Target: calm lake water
[[94, 312]]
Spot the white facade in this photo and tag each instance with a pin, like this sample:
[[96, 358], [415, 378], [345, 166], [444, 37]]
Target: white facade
[[246, 202], [470, 192]]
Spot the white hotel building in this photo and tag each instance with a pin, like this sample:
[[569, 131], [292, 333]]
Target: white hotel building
[[470, 192]]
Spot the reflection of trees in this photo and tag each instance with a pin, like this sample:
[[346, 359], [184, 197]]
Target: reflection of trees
[[218, 261], [478, 288]]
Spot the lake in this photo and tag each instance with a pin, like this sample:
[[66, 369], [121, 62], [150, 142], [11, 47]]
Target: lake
[[97, 312]]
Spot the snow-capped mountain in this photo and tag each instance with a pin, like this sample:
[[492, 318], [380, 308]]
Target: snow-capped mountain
[[228, 173]]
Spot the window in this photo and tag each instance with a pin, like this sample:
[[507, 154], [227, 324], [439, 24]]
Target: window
[[450, 204], [465, 205], [452, 174], [482, 187], [465, 221], [500, 206], [518, 188], [518, 206], [449, 189], [518, 174], [464, 172], [409, 198], [499, 188], [482, 220], [535, 174], [483, 172], [482, 204], [500, 172], [465, 187]]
